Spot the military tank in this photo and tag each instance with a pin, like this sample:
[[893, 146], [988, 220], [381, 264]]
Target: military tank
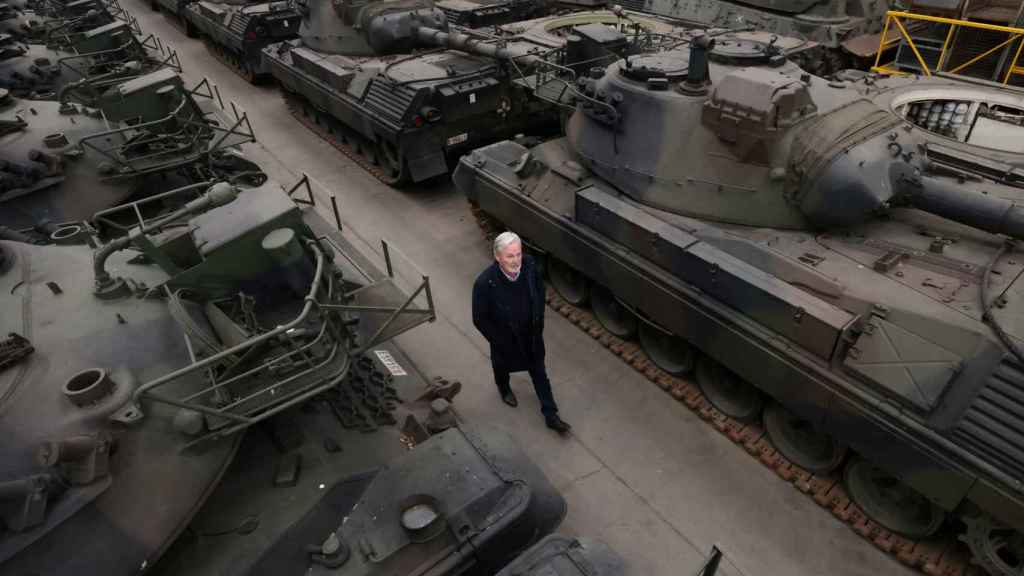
[[237, 31], [143, 136], [404, 116], [835, 260], [191, 334], [174, 11], [98, 57], [55, 24], [845, 28], [36, 23]]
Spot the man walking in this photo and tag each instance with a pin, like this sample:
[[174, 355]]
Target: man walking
[[508, 309]]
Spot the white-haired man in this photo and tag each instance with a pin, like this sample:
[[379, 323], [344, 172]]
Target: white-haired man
[[508, 309]]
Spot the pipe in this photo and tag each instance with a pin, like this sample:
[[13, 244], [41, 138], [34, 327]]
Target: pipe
[[219, 194], [982, 211], [310, 302], [473, 45]]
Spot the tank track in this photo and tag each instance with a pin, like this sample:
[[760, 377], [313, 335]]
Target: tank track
[[939, 556], [230, 60], [347, 141]]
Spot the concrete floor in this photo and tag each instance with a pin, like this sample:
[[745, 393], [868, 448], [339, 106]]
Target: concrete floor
[[640, 472]]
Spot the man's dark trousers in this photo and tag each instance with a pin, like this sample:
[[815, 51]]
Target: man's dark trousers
[[541, 385], [514, 327]]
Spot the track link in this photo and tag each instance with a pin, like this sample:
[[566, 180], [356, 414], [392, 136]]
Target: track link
[[942, 555], [229, 60], [342, 138]]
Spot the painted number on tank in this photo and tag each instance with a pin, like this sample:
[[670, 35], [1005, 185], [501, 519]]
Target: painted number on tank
[[472, 97], [458, 139], [390, 363]]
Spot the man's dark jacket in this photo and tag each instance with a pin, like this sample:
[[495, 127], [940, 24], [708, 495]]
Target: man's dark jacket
[[492, 317]]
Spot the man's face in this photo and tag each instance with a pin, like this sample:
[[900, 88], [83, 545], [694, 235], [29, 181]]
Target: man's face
[[510, 258]]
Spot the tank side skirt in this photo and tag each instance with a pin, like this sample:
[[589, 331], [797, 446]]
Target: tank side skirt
[[719, 332]]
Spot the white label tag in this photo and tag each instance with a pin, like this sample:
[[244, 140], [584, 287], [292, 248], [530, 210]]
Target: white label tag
[[285, 23], [472, 97], [458, 139], [390, 363]]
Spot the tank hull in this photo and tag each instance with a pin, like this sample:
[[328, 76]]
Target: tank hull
[[695, 305], [240, 33], [112, 525], [847, 21], [481, 109], [344, 466]]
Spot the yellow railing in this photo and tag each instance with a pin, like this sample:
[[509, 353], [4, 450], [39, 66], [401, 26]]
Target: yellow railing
[[1014, 36]]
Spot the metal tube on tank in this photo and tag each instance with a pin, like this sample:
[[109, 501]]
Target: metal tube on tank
[[467, 43], [982, 211]]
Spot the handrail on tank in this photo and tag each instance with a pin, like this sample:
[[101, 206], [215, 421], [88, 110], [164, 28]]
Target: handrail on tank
[[896, 18], [323, 301], [171, 59], [202, 131], [133, 411], [103, 215]]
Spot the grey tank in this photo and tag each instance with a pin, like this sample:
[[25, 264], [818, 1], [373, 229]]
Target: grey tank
[[84, 64], [63, 162], [129, 383], [409, 113], [831, 23], [52, 23], [842, 252], [238, 31]]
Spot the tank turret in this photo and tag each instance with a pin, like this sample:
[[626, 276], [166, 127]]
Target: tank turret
[[366, 28], [842, 27], [784, 236], [381, 27], [820, 154]]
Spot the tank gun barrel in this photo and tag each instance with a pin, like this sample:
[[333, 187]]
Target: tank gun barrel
[[982, 211], [467, 43], [890, 168]]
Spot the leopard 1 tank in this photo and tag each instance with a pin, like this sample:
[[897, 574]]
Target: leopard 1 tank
[[125, 398], [837, 260], [838, 25], [52, 23], [98, 57], [237, 31], [65, 161], [405, 113], [405, 116]]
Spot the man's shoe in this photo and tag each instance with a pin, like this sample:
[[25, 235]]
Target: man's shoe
[[510, 399], [558, 425]]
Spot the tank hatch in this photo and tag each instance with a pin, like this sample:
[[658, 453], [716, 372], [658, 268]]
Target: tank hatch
[[746, 52], [672, 66], [557, 555]]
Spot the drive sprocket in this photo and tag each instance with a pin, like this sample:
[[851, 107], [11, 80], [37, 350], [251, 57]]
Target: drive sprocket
[[996, 548]]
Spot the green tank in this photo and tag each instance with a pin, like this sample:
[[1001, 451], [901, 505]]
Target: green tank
[[64, 161], [51, 23], [91, 60], [255, 314], [179, 359], [835, 261], [237, 31], [848, 30]]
